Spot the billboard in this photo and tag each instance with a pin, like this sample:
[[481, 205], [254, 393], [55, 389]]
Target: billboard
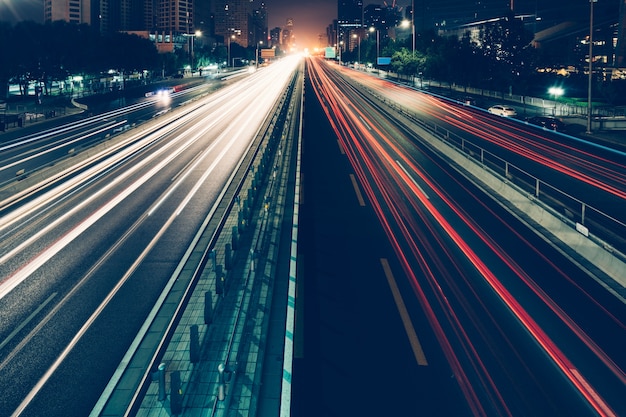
[[383, 60], [268, 53], [329, 52]]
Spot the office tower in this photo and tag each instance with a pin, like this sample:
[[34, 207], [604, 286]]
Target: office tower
[[275, 37], [175, 16], [112, 15], [350, 13], [232, 18], [204, 19], [288, 39], [349, 21], [259, 25], [73, 11], [374, 16]]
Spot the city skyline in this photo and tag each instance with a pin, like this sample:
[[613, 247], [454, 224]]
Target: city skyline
[[311, 17]]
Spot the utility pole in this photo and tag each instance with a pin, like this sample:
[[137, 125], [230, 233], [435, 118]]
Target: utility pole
[[590, 79]]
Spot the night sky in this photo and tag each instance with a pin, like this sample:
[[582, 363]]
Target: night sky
[[311, 17]]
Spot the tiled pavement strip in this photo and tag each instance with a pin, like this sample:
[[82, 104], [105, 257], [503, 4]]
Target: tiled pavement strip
[[249, 286]]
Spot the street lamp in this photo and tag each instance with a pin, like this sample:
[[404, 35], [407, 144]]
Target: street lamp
[[358, 37], [372, 29], [257, 53], [413, 25], [340, 48], [197, 34], [556, 92], [590, 65], [229, 38]]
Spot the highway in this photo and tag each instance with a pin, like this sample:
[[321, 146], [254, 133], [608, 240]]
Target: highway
[[84, 258], [522, 329], [418, 293]]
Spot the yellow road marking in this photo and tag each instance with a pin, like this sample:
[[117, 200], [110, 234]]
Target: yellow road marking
[[404, 315]]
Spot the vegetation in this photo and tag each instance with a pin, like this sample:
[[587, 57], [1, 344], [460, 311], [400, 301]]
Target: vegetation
[[501, 58], [54, 51]]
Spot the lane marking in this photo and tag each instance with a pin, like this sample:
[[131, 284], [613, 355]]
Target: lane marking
[[28, 319], [367, 126], [420, 357], [359, 196], [341, 150]]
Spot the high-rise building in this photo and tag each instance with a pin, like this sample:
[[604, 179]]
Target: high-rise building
[[73, 11], [374, 16], [349, 21], [175, 16], [105, 15], [350, 13], [275, 37], [288, 36], [232, 18], [259, 25], [204, 19], [112, 15]]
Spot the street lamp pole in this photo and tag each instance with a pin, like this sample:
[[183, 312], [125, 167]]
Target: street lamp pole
[[257, 53], [413, 25], [372, 29], [589, 80], [229, 38], [192, 36], [358, 39]]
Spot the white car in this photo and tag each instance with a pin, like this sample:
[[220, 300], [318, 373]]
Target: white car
[[502, 110]]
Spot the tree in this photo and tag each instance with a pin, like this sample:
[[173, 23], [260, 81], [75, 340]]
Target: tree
[[405, 62], [467, 62], [509, 56], [45, 53]]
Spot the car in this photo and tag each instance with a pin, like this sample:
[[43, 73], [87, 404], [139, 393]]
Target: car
[[502, 110], [467, 100], [547, 122]]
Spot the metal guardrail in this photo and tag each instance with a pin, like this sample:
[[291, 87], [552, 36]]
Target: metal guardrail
[[604, 229], [599, 226]]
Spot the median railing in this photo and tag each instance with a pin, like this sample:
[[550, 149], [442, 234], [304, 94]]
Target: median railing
[[603, 228]]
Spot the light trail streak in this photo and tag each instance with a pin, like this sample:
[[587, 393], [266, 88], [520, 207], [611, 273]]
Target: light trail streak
[[339, 113], [64, 144], [508, 134], [324, 93], [164, 156], [263, 92]]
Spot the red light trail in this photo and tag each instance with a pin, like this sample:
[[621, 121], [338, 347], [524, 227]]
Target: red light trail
[[378, 156]]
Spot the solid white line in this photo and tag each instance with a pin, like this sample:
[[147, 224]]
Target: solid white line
[[28, 319], [91, 320]]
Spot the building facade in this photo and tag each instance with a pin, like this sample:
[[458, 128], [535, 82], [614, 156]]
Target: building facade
[[72, 11], [232, 20]]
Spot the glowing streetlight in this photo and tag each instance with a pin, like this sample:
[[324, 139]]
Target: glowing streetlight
[[556, 92], [194, 35], [358, 38], [229, 38], [257, 52], [372, 30]]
